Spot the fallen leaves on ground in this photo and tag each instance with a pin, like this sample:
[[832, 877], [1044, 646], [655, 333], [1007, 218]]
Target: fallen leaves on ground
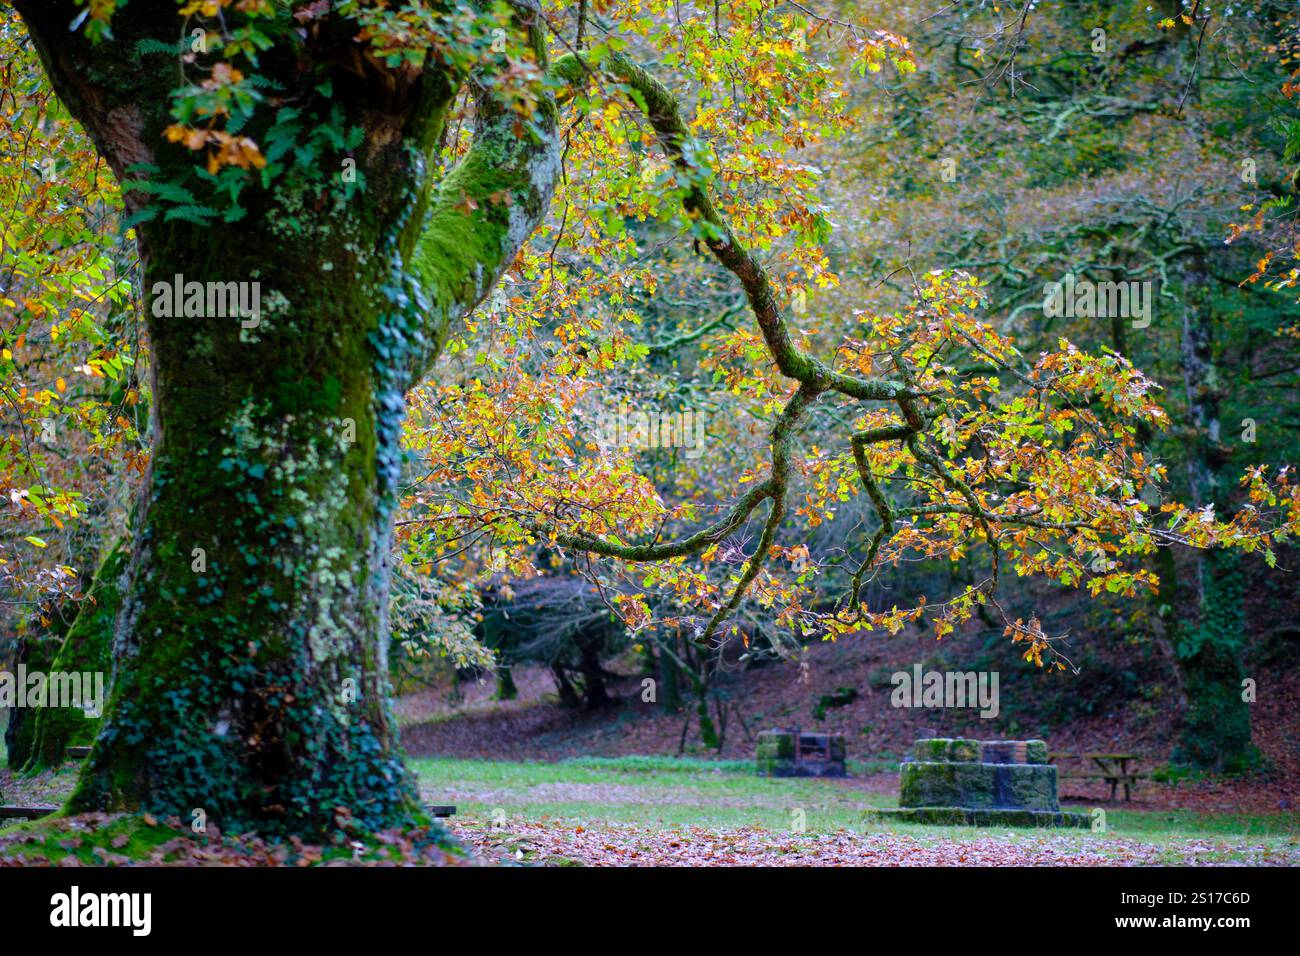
[[560, 843], [84, 841]]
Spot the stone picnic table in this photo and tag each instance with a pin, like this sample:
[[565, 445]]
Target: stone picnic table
[[961, 781]]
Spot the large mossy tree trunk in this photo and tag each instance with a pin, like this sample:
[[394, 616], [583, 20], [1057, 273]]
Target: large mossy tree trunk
[[1216, 731], [251, 673]]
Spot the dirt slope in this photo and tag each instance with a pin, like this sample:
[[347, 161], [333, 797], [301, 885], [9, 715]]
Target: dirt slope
[[1141, 720]]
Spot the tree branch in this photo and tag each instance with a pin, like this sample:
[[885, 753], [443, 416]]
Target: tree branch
[[489, 203]]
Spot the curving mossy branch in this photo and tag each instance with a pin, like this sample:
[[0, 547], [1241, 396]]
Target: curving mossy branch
[[815, 379], [487, 205], [664, 114]]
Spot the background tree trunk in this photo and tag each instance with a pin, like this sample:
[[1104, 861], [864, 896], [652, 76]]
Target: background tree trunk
[[1216, 729], [87, 649], [39, 651]]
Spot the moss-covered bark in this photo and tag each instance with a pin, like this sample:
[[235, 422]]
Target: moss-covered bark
[[506, 689], [35, 654], [251, 675], [87, 649], [1216, 729], [253, 678]]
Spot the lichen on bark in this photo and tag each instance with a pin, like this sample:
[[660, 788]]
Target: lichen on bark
[[250, 648]]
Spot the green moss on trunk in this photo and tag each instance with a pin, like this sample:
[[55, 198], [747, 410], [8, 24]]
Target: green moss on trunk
[[35, 653], [252, 675], [87, 649], [254, 681], [1216, 729]]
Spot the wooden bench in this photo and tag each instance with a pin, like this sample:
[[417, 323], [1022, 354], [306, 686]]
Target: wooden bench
[[1113, 768]]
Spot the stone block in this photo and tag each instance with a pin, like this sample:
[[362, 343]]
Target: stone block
[[777, 744], [950, 784], [960, 780], [938, 749], [979, 817], [787, 753]]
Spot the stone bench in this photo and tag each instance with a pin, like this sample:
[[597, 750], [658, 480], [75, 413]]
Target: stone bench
[[790, 753], [25, 813]]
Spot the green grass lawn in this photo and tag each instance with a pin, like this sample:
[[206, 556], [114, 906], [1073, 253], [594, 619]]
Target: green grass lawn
[[680, 792], [587, 810]]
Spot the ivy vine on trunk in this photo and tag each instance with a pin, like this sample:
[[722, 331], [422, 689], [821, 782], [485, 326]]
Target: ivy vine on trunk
[[250, 651]]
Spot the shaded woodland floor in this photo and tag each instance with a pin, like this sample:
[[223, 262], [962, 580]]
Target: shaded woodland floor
[[536, 727], [638, 811], [538, 784], [667, 811]]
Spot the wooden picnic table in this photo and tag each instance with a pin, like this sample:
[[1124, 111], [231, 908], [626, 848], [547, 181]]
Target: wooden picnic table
[[1113, 768]]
